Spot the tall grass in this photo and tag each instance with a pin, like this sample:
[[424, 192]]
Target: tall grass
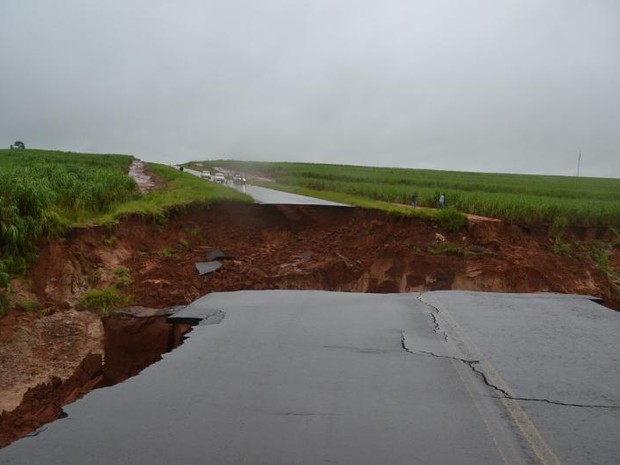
[[42, 191], [529, 199]]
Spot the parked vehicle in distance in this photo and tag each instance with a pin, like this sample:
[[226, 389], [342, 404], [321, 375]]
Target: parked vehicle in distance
[[206, 175], [239, 179], [219, 178]]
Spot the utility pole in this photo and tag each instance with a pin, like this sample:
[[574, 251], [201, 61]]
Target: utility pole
[[578, 163]]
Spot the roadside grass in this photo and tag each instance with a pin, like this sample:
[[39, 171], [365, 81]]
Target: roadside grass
[[449, 219], [181, 190], [104, 301]]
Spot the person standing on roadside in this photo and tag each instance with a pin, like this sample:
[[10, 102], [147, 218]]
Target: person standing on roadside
[[414, 199], [442, 201]]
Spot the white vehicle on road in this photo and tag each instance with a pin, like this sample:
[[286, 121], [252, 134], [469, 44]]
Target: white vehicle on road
[[206, 175], [219, 178]]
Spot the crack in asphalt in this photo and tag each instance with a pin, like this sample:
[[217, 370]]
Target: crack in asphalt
[[473, 365], [434, 312], [214, 318]]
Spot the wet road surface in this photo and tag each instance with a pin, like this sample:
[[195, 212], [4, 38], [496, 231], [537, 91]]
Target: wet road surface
[[271, 196], [317, 377]]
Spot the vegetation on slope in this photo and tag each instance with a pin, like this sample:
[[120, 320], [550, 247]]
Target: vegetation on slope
[[44, 192], [181, 189]]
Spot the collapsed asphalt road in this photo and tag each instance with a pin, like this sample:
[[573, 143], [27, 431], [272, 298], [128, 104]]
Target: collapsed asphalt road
[[318, 377]]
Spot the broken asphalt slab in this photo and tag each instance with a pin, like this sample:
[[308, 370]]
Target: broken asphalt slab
[[311, 377], [207, 267]]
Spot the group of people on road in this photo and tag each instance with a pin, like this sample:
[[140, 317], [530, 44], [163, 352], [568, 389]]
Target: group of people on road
[[441, 203]]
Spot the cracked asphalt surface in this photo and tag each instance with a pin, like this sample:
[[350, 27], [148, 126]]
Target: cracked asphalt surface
[[305, 377]]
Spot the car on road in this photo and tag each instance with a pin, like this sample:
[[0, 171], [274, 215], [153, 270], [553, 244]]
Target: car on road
[[219, 178], [206, 175], [239, 179]]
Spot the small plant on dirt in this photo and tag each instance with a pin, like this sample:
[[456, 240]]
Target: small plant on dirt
[[414, 248], [166, 252], [446, 248], [28, 305], [5, 287], [601, 253], [110, 241], [480, 251], [123, 277], [562, 248], [183, 244], [103, 301], [192, 230], [613, 276], [615, 242], [95, 277], [556, 231], [451, 220], [161, 219], [557, 227]]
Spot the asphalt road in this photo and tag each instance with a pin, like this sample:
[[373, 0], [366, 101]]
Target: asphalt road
[[306, 377], [271, 196]]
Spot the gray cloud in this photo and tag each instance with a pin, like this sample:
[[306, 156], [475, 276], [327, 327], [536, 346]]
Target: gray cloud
[[510, 86]]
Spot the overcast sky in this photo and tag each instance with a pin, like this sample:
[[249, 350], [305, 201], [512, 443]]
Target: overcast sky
[[484, 85]]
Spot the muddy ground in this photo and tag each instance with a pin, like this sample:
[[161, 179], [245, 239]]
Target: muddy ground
[[53, 357]]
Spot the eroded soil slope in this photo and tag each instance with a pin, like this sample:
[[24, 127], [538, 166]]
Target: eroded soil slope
[[269, 247], [306, 247]]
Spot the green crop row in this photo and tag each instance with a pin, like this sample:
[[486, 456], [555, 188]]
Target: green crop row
[[42, 191], [529, 199]]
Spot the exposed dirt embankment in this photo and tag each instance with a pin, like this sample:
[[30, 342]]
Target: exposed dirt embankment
[[270, 247], [304, 247]]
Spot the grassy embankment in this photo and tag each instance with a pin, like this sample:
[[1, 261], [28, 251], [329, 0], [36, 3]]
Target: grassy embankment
[[45, 192], [527, 199]]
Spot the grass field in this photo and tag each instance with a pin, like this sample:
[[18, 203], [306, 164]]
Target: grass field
[[529, 199]]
